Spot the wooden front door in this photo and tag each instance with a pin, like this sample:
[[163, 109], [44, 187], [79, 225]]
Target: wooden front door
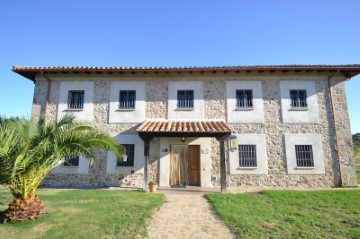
[[194, 165]]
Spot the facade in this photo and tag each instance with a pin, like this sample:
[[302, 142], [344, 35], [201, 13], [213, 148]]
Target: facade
[[275, 126]]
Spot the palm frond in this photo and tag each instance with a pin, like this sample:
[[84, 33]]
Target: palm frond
[[30, 150]]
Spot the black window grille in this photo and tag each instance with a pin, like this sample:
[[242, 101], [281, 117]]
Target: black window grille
[[244, 98], [71, 161], [298, 98], [304, 156], [185, 99], [127, 99], [129, 150], [247, 156], [76, 99]]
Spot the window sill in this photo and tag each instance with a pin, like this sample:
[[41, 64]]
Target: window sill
[[73, 110], [305, 168], [124, 166], [124, 109], [244, 109], [298, 109], [184, 109], [247, 168]]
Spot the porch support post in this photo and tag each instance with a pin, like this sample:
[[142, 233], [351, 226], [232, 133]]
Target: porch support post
[[222, 162], [146, 139]]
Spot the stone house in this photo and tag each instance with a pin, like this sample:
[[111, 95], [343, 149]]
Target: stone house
[[233, 126]]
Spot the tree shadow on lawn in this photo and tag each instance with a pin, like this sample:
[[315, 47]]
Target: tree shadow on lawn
[[2, 216]]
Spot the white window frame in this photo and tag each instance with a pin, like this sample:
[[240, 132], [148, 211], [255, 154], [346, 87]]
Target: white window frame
[[83, 167], [259, 140], [127, 115], [87, 112], [139, 159], [176, 113], [235, 114], [304, 139], [292, 114]]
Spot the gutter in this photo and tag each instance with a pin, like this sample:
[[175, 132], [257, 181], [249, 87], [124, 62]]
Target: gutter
[[335, 129], [47, 95]]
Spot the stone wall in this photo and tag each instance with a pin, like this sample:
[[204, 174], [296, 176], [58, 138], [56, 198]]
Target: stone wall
[[215, 108], [345, 143]]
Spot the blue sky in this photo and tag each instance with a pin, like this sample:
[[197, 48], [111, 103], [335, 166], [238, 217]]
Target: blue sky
[[174, 33]]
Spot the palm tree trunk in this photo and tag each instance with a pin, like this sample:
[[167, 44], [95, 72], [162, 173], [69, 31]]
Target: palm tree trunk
[[24, 209]]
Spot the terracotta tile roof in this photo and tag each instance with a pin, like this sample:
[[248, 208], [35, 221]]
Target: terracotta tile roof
[[184, 127], [241, 67], [30, 71]]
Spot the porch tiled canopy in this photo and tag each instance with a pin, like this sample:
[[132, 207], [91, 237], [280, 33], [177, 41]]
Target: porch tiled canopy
[[184, 128], [209, 128]]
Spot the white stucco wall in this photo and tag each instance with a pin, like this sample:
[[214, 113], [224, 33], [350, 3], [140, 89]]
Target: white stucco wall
[[139, 159], [86, 113], [83, 167], [249, 139], [185, 114], [291, 115], [304, 139], [205, 159], [236, 115], [136, 115]]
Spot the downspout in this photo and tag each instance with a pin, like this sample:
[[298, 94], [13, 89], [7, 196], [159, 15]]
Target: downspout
[[47, 96], [335, 129]]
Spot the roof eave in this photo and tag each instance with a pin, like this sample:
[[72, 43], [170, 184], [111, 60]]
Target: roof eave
[[30, 72]]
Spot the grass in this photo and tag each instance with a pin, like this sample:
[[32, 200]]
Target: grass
[[291, 214], [85, 214]]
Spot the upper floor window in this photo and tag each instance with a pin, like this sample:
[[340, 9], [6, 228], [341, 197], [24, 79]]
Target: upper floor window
[[304, 156], [244, 99], [185, 99], [71, 161], [76, 99], [128, 156], [298, 98], [247, 155], [127, 99]]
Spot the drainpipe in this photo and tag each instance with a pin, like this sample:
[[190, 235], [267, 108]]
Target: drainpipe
[[47, 96], [335, 129]]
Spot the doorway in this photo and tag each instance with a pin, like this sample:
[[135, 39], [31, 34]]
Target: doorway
[[184, 165]]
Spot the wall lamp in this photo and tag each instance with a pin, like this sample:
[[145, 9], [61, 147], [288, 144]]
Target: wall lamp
[[183, 139]]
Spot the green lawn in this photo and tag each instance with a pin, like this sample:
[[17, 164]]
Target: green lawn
[[358, 173], [291, 214], [85, 214]]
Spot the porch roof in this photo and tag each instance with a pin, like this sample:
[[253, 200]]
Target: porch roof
[[208, 128]]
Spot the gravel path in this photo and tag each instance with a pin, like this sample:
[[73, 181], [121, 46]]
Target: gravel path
[[187, 215]]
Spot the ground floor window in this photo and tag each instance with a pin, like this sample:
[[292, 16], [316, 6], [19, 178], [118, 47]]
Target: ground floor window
[[127, 160], [71, 161], [247, 155], [304, 156]]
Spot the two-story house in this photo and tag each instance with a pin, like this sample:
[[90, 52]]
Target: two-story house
[[282, 125]]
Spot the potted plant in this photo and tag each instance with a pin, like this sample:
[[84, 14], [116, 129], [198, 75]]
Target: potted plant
[[152, 185]]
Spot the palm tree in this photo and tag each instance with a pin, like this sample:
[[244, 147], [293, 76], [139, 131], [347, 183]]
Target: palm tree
[[30, 150]]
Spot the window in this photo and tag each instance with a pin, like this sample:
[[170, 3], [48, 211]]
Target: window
[[76, 99], [185, 99], [304, 156], [247, 156], [71, 161], [298, 98], [128, 150], [244, 98], [127, 99]]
